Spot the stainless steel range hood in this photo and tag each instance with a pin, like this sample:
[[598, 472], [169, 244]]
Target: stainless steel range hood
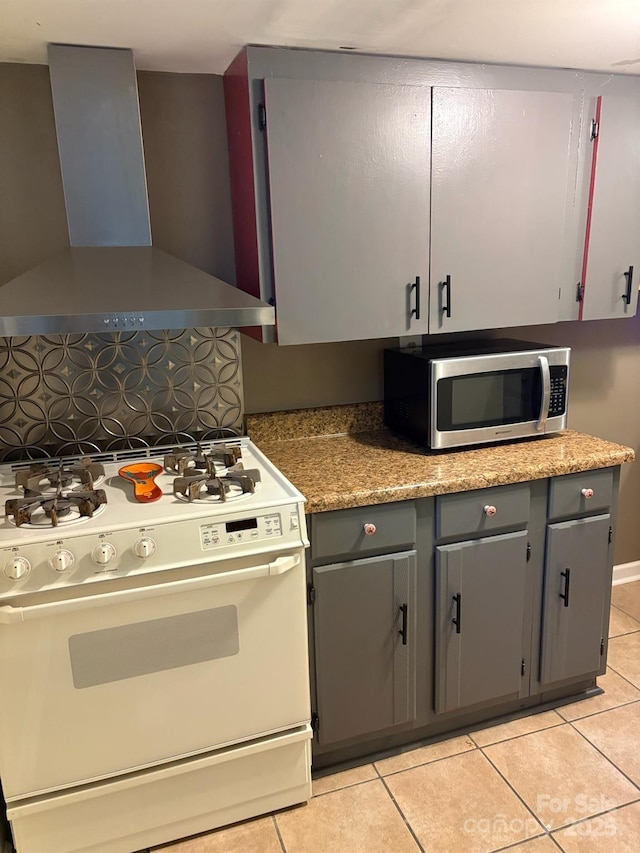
[[111, 278]]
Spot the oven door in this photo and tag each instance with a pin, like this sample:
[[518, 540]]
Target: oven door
[[150, 670], [480, 399]]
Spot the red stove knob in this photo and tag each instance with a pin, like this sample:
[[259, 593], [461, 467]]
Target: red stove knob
[[369, 529], [587, 493], [490, 510]]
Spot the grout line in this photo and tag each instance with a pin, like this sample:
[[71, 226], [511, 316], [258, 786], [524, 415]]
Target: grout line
[[510, 786], [624, 611], [603, 711], [623, 677], [402, 815], [611, 762], [344, 787], [422, 763], [612, 810], [275, 823], [523, 841], [524, 734]]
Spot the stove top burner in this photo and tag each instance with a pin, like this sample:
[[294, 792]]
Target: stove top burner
[[200, 486], [182, 462], [42, 510], [41, 476]]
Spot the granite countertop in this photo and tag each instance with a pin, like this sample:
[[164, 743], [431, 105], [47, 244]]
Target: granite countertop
[[341, 457]]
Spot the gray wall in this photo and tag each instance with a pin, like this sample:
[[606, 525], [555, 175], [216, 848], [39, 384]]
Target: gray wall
[[186, 153]]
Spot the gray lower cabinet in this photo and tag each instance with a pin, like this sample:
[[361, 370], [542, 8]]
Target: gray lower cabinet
[[480, 599], [433, 614], [577, 579], [365, 647]]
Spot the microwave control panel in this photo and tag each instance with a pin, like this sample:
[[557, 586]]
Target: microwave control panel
[[558, 398]]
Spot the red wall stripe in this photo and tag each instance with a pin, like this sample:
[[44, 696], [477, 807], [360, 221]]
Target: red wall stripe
[[592, 184]]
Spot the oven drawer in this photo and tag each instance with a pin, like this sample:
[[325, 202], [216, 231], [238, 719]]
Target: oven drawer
[[363, 530], [482, 512], [196, 795], [578, 494]]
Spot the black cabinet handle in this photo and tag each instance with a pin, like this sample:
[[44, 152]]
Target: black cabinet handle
[[415, 312], [565, 595], [626, 296], [446, 305], [456, 619], [403, 629]]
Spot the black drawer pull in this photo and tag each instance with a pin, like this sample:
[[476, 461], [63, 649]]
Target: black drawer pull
[[565, 595], [415, 312], [456, 619], [403, 629], [626, 296], [446, 306]]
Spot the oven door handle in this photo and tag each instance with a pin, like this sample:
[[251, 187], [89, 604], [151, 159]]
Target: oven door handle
[[543, 363], [10, 614]]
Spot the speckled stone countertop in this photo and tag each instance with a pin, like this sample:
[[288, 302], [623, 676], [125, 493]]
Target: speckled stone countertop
[[342, 456]]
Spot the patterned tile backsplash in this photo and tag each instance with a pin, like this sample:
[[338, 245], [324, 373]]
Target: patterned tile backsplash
[[69, 394]]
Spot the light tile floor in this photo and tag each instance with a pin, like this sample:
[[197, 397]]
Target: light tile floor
[[558, 780]]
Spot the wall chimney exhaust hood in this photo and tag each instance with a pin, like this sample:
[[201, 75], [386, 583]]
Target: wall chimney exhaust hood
[[111, 278]]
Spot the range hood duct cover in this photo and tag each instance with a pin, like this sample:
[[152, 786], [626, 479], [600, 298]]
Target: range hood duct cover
[[111, 278]]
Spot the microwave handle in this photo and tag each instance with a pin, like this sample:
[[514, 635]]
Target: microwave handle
[[543, 363]]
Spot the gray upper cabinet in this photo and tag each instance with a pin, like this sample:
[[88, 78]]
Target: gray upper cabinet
[[348, 167], [611, 264], [375, 197], [500, 180]]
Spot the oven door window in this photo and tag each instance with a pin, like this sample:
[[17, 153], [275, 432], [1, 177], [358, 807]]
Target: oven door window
[[489, 399]]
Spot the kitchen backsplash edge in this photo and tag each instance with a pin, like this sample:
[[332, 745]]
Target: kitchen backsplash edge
[[323, 420]]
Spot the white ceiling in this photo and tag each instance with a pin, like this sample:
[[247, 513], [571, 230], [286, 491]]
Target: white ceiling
[[205, 35]]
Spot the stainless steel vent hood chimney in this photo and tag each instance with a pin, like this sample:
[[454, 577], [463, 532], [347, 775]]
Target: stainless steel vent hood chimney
[[111, 279]]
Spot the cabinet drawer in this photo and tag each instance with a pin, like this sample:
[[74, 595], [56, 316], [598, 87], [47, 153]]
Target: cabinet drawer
[[343, 532], [473, 512], [576, 494]]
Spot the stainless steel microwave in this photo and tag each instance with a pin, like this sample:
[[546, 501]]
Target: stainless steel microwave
[[455, 395]]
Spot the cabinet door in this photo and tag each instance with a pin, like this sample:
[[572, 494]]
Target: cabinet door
[[500, 189], [480, 589], [612, 243], [365, 618], [349, 167], [577, 571]]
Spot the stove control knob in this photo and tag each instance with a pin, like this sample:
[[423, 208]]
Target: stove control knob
[[61, 560], [103, 553], [145, 548], [17, 568]]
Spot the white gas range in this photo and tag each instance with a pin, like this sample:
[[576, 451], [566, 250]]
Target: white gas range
[[153, 649]]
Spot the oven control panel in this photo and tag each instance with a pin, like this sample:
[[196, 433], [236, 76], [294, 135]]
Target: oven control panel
[[241, 531], [79, 556]]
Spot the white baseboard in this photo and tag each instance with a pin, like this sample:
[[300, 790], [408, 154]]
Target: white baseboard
[[626, 572]]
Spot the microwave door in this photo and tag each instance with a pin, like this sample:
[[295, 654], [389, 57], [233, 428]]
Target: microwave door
[[489, 400]]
